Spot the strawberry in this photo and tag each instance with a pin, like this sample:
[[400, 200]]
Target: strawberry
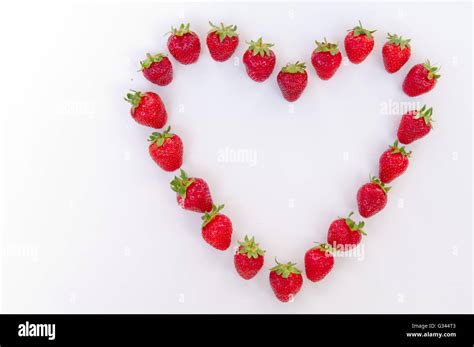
[[414, 125], [358, 43], [147, 109], [326, 59], [222, 41], [318, 262], [285, 280], [166, 149], [157, 69], [248, 259], [217, 228], [259, 60], [292, 80], [184, 44], [372, 197], [420, 79], [393, 162], [344, 233], [192, 193], [395, 52]]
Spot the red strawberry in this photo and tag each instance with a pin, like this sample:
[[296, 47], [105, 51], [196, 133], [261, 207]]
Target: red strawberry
[[292, 80], [166, 149], [147, 109], [222, 41], [192, 193], [326, 59], [420, 79], [286, 281], [248, 259], [344, 233], [259, 60], [157, 69], [393, 162], [358, 43], [414, 125], [217, 228], [184, 45], [372, 197], [395, 52], [318, 262]]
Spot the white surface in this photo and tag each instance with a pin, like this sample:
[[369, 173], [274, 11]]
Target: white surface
[[89, 223]]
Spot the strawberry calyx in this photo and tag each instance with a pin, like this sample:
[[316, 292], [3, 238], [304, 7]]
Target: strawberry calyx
[[398, 41], [432, 70], [180, 184], [134, 98], [294, 68], [397, 149], [284, 270], [258, 47], [209, 216], [382, 185], [425, 114], [355, 226], [182, 30], [251, 248], [223, 31], [150, 59], [360, 30], [324, 247], [159, 138], [327, 47]]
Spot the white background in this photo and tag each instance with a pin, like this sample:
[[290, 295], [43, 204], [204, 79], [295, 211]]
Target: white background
[[88, 221]]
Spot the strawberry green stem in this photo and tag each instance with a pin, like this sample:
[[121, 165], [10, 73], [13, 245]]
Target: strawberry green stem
[[159, 138], [426, 115], [397, 149], [284, 270], [209, 216], [251, 248], [180, 184]]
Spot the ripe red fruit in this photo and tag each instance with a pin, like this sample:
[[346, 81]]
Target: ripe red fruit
[[259, 60], [326, 59], [166, 149], [222, 41], [393, 162], [372, 197], [147, 109], [184, 45], [192, 193], [414, 125], [344, 233], [318, 262], [358, 43], [248, 259], [217, 228], [157, 69], [292, 80], [285, 280], [420, 79], [395, 52]]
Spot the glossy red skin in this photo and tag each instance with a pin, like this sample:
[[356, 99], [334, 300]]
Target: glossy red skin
[[198, 197], [285, 288], [341, 237], [168, 156], [259, 68], [394, 57], [358, 47], [151, 111], [186, 48], [245, 266], [221, 51], [392, 165], [218, 232], [292, 85], [371, 199], [411, 129], [317, 264], [326, 64], [160, 73], [417, 82]]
